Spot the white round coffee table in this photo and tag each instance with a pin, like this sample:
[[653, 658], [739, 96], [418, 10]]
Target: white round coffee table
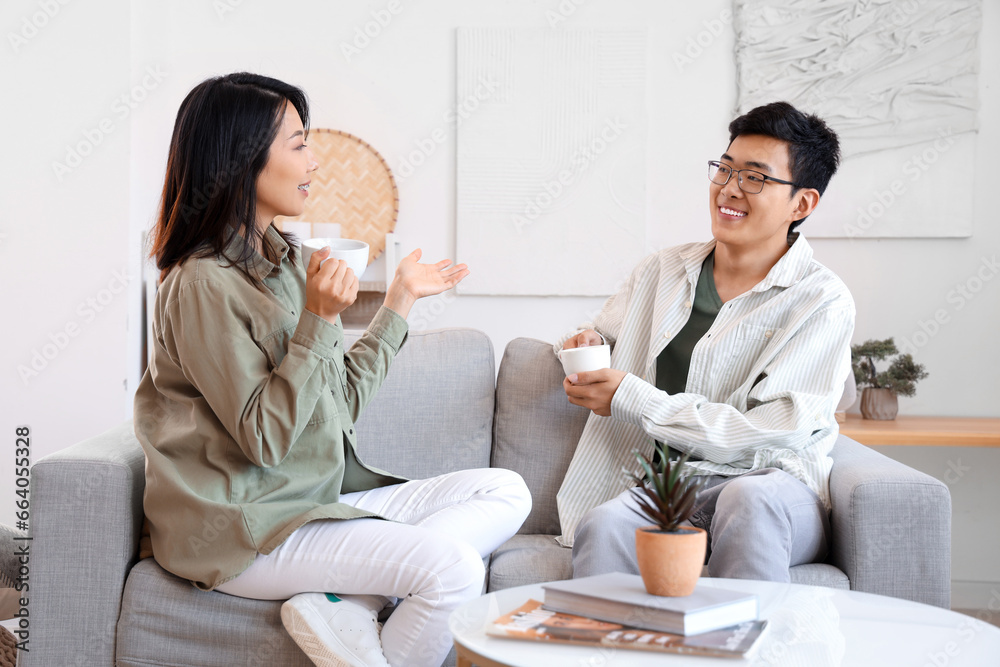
[[809, 626]]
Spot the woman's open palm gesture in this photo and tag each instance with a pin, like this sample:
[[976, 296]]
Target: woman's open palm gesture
[[414, 280], [422, 280]]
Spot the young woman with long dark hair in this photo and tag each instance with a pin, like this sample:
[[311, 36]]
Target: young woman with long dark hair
[[246, 413]]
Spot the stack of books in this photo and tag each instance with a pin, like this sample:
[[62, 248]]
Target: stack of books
[[615, 610]]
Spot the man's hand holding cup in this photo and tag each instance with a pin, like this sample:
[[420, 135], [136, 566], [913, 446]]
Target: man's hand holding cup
[[590, 381]]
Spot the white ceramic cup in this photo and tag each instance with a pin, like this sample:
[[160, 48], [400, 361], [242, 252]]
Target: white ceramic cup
[[589, 358], [355, 253]]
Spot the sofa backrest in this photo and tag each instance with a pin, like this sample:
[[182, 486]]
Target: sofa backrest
[[536, 428], [434, 412]]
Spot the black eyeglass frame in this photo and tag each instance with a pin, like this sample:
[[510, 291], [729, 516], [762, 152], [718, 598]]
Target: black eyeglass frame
[[739, 177]]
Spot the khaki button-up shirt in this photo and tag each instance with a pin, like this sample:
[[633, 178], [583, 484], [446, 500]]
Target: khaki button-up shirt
[[246, 412]]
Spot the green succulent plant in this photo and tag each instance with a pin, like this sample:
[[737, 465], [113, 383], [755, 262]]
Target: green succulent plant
[[665, 493]]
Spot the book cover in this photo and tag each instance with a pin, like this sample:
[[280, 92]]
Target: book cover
[[621, 598], [532, 622]]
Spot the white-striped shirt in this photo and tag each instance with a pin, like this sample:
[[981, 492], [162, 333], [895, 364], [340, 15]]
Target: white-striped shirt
[[761, 391]]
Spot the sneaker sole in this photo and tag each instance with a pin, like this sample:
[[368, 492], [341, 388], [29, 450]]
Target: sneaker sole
[[303, 635]]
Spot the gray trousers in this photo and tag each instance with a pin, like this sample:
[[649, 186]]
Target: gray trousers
[[759, 524]]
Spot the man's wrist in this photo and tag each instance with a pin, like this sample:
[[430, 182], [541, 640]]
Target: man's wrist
[[630, 399]]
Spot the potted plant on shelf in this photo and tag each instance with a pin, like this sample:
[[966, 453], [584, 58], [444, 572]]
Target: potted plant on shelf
[[670, 556], [879, 397]]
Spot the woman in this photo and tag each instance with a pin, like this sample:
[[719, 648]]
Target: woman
[[246, 414]]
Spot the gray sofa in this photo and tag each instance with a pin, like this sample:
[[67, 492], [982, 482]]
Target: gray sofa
[[443, 407]]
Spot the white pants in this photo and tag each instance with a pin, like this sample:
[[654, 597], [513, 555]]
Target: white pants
[[429, 555]]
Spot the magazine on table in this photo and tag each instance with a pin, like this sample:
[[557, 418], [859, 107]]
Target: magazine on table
[[532, 622]]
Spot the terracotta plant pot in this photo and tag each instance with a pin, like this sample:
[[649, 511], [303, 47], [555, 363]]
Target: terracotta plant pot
[[879, 404], [670, 563]]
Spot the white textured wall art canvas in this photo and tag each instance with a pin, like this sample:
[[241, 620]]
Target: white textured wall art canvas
[[898, 81], [551, 159]]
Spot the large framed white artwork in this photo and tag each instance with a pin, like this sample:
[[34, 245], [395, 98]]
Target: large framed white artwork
[[898, 81], [551, 162]]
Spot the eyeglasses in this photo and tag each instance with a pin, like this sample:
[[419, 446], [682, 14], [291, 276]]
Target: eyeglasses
[[750, 181]]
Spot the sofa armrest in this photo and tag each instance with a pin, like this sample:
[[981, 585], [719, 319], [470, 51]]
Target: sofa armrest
[[891, 526], [86, 519]]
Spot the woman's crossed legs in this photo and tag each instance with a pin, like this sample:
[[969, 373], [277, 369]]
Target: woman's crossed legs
[[429, 555]]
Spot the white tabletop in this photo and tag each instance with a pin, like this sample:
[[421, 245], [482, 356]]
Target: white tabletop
[[809, 626]]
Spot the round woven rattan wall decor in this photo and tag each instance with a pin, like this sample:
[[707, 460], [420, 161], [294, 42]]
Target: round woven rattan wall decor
[[353, 187], [8, 648]]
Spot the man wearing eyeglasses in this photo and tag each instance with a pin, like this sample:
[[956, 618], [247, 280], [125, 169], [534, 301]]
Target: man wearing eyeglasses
[[734, 351]]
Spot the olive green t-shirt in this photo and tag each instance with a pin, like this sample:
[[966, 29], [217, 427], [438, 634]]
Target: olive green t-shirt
[[674, 361]]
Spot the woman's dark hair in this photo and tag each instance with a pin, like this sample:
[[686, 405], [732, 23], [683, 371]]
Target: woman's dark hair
[[813, 148], [219, 147]]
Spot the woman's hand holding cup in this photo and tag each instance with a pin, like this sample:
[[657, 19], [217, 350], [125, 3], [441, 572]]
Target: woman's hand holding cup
[[330, 288]]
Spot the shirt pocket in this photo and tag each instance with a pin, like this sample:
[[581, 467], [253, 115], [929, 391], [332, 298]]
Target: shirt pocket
[[752, 339], [275, 348]]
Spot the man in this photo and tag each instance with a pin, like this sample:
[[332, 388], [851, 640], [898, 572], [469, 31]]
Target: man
[[735, 351]]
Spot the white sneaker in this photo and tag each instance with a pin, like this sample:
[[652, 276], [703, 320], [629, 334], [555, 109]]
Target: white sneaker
[[333, 634]]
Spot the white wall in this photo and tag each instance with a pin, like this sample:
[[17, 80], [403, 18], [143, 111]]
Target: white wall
[[941, 294], [64, 238], [61, 242]]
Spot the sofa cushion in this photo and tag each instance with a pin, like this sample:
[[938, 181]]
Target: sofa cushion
[[167, 621], [529, 559], [434, 412], [536, 427], [819, 574], [532, 559]]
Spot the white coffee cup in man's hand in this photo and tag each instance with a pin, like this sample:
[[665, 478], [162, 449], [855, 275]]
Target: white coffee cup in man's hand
[[587, 358]]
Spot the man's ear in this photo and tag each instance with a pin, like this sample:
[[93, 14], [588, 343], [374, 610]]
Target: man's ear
[[807, 199]]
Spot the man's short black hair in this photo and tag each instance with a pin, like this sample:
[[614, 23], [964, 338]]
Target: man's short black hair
[[813, 148]]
